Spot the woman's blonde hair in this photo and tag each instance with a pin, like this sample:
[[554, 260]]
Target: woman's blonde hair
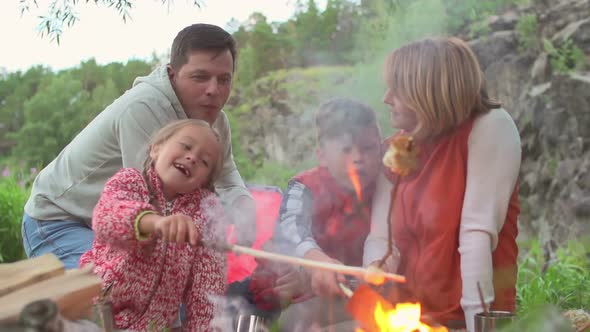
[[166, 132], [440, 79]]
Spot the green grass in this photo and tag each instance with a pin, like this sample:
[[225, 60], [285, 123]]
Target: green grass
[[565, 283]]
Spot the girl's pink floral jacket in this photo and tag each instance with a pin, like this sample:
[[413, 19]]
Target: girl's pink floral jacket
[[152, 277]]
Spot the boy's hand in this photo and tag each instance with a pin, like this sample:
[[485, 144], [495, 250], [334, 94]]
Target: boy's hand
[[177, 228], [290, 282], [324, 283]]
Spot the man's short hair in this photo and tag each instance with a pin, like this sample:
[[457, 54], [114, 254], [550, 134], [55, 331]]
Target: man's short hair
[[201, 36]]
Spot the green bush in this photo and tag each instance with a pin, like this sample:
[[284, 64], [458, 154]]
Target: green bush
[[566, 57], [12, 199]]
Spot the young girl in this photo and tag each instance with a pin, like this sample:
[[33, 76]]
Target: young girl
[[148, 228], [454, 216]]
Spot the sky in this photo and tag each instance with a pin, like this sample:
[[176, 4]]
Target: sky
[[101, 33]]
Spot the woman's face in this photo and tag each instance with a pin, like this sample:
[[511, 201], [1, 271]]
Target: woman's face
[[402, 117]]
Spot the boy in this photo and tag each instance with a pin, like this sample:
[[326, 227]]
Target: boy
[[325, 213]]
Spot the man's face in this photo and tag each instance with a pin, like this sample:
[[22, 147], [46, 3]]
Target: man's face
[[362, 153], [203, 83]]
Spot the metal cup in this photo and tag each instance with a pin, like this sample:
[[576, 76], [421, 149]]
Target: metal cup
[[103, 316], [251, 323], [493, 320]]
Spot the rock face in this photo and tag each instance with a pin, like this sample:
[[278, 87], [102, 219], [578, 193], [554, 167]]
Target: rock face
[[552, 110]]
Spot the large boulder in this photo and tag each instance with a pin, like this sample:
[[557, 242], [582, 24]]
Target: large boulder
[[494, 47], [578, 32], [554, 120], [552, 111], [559, 14]]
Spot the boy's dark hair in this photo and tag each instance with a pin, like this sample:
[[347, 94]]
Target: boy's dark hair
[[343, 116], [201, 37]]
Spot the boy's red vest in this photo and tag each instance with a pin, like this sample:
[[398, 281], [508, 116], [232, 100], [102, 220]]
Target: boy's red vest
[[427, 217], [340, 222]]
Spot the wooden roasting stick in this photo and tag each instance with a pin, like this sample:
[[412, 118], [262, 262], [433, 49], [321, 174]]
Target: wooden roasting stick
[[344, 269]]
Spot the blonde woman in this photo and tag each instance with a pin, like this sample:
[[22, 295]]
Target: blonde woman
[[454, 216]]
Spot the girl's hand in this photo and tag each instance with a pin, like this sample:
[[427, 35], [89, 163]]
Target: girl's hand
[[177, 228], [324, 283]]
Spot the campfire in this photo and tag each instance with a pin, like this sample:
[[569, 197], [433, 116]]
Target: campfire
[[376, 314], [405, 317]]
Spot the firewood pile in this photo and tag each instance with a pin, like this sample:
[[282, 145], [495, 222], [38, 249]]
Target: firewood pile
[[42, 283]]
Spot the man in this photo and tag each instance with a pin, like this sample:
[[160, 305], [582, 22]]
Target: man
[[195, 84]]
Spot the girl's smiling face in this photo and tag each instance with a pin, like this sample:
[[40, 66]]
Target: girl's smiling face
[[185, 162], [402, 117]]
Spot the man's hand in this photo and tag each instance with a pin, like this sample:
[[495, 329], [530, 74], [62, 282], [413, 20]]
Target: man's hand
[[177, 228], [324, 283], [243, 215]]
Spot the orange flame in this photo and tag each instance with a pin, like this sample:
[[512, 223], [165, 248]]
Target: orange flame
[[356, 182], [405, 317]]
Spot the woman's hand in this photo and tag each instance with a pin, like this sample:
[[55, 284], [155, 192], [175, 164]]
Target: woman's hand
[[390, 265], [177, 228], [324, 283]]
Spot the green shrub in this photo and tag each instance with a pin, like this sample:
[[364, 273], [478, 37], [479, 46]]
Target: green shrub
[[565, 58], [526, 30], [12, 199]]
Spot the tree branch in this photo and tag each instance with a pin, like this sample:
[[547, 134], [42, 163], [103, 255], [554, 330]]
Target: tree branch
[[62, 13]]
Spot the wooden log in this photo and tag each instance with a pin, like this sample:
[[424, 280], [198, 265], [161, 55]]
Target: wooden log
[[14, 276], [73, 292]]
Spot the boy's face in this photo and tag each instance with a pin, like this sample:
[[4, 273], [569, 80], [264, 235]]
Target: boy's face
[[361, 152]]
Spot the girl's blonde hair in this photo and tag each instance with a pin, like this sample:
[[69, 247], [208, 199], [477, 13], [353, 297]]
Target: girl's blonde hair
[[440, 79], [166, 132]]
